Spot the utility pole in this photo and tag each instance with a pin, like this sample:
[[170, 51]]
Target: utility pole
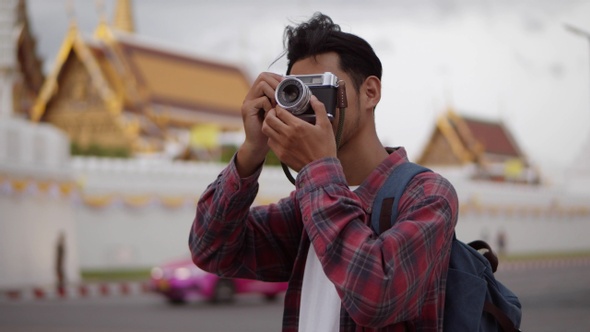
[[581, 166], [579, 32]]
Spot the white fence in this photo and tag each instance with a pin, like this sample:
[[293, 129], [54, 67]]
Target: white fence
[[121, 213], [137, 213], [533, 219]]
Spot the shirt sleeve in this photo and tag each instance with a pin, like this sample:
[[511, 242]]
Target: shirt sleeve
[[381, 279], [232, 239]]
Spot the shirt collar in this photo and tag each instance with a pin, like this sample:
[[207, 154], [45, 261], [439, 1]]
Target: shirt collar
[[368, 189]]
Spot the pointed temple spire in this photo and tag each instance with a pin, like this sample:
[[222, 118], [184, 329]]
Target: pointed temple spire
[[102, 30], [123, 20]]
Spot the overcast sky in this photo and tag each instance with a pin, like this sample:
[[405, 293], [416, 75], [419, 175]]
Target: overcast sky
[[507, 60]]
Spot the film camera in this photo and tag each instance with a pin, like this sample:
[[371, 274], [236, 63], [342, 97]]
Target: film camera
[[294, 92]]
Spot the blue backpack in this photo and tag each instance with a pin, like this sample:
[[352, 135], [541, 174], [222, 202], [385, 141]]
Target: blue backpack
[[475, 300]]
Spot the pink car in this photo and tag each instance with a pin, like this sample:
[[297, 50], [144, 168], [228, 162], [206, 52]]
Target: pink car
[[180, 281]]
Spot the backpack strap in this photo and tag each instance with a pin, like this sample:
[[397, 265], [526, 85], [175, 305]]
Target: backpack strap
[[502, 319], [484, 248], [386, 201]]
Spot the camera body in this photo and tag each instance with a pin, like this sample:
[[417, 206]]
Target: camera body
[[294, 92]]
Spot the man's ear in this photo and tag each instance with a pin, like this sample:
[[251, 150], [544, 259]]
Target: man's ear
[[371, 91]]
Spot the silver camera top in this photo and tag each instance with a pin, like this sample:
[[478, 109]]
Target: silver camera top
[[326, 78]]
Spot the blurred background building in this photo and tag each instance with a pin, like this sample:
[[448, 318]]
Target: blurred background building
[[117, 95], [112, 147], [21, 65], [36, 182]]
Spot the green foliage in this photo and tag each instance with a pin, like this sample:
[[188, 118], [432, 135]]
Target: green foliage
[[99, 151], [272, 159], [115, 275], [228, 151]]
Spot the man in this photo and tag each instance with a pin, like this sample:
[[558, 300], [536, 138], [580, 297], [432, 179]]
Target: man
[[342, 276]]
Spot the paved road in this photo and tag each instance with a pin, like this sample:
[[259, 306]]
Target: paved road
[[138, 313], [554, 298]]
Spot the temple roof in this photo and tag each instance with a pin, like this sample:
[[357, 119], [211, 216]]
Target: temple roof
[[469, 140], [183, 88], [493, 136], [74, 45], [179, 81]]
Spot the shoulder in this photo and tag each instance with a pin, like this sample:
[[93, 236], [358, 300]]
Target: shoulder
[[432, 199], [431, 185]]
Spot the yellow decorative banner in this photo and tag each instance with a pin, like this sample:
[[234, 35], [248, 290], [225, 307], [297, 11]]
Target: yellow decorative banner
[[173, 202], [31, 186], [20, 185], [71, 190], [513, 168], [99, 201], [205, 136], [137, 201]]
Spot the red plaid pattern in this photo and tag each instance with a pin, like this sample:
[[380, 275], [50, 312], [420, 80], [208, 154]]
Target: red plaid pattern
[[391, 282]]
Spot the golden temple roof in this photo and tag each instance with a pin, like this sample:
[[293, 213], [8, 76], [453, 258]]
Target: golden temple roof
[[140, 75], [186, 86], [459, 139], [145, 88]]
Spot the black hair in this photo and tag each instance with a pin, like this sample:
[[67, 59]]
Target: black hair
[[321, 35]]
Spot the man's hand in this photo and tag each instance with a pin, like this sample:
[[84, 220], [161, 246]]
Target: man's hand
[[297, 142], [259, 100]]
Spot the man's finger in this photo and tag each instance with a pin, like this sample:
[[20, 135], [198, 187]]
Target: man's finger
[[320, 111], [272, 125]]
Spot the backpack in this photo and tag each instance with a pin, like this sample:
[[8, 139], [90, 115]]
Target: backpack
[[474, 300]]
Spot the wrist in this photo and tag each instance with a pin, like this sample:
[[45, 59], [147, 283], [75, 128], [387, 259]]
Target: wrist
[[249, 158]]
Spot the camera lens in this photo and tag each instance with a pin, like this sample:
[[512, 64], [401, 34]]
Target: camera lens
[[290, 93], [293, 95]]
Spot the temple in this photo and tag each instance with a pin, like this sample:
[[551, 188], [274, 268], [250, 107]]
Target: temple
[[117, 94], [488, 145]]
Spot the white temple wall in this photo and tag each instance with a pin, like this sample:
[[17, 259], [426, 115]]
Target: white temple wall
[[36, 205], [137, 213]]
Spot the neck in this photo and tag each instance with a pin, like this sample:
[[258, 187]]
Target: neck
[[360, 157]]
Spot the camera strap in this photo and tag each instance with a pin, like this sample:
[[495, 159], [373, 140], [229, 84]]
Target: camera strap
[[342, 103]]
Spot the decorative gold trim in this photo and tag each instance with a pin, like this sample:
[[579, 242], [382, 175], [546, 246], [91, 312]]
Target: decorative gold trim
[[74, 42], [473, 145], [449, 132], [50, 86], [123, 19]]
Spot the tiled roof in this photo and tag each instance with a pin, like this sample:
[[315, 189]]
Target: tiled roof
[[493, 136], [181, 81], [459, 140]]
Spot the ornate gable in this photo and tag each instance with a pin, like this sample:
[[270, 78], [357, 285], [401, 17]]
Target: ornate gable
[[458, 141], [79, 108]]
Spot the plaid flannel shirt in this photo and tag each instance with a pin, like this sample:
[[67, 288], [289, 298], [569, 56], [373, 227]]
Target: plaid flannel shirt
[[389, 282]]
